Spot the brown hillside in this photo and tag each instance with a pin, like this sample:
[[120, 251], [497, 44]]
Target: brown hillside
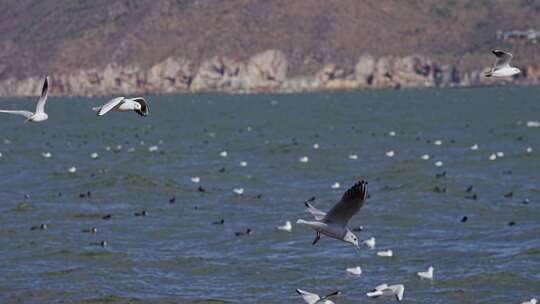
[[55, 36]]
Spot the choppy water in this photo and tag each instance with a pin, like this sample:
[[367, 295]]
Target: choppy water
[[176, 254]]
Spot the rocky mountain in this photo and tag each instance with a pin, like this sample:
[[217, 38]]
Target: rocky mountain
[[135, 46]]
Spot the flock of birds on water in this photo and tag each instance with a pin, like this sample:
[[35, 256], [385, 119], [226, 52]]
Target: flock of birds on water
[[333, 223]]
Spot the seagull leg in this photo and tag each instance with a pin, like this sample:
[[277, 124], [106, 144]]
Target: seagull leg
[[317, 238]]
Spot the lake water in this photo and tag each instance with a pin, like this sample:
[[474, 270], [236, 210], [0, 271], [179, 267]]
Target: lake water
[[175, 254]]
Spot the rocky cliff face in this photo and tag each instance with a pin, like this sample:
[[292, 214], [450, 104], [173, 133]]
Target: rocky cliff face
[[263, 72]]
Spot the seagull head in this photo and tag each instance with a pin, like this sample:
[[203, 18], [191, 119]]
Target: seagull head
[[351, 238]]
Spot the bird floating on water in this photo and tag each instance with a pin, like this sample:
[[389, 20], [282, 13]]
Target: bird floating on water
[[370, 243], [501, 68], [334, 223], [356, 271], [238, 191], [303, 159], [287, 227], [386, 253], [122, 104], [40, 114], [426, 274]]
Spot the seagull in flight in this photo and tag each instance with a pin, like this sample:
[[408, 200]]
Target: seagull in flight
[[385, 290], [334, 223], [137, 104], [501, 67], [313, 298], [40, 114]]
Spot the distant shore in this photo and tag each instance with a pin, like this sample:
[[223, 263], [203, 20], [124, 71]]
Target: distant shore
[[263, 72]]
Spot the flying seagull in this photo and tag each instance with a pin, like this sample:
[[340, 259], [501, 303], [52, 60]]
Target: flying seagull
[[313, 298], [40, 114], [334, 223], [137, 104], [385, 290], [501, 67]]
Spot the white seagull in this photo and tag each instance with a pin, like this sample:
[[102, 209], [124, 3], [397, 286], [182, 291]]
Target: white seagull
[[137, 104], [501, 67], [388, 253], [370, 243], [334, 223], [287, 227], [531, 301], [40, 114], [356, 271], [385, 290], [426, 274], [313, 298]]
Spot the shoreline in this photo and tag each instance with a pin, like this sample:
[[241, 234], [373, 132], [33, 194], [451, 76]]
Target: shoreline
[[265, 72]]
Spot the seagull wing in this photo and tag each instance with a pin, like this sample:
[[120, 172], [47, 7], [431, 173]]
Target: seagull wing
[[318, 214], [26, 114], [40, 107], [309, 297], [350, 203], [330, 295], [144, 106], [503, 59], [397, 290], [111, 104]]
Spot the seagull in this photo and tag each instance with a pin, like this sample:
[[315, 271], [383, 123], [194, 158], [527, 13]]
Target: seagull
[[303, 159], [390, 153], [356, 271], [287, 227], [426, 274], [385, 290], [238, 191], [334, 223], [387, 253], [40, 114], [370, 243], [137, 104], [501, 67], [531, 301], [313, 298]]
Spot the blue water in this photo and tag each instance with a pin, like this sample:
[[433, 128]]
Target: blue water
[[176, 254]]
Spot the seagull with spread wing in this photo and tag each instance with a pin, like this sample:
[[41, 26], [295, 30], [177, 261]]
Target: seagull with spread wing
[[40, 114], [137, 104], [334, 223], [388, 290], [501, 67], [313, 298]]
